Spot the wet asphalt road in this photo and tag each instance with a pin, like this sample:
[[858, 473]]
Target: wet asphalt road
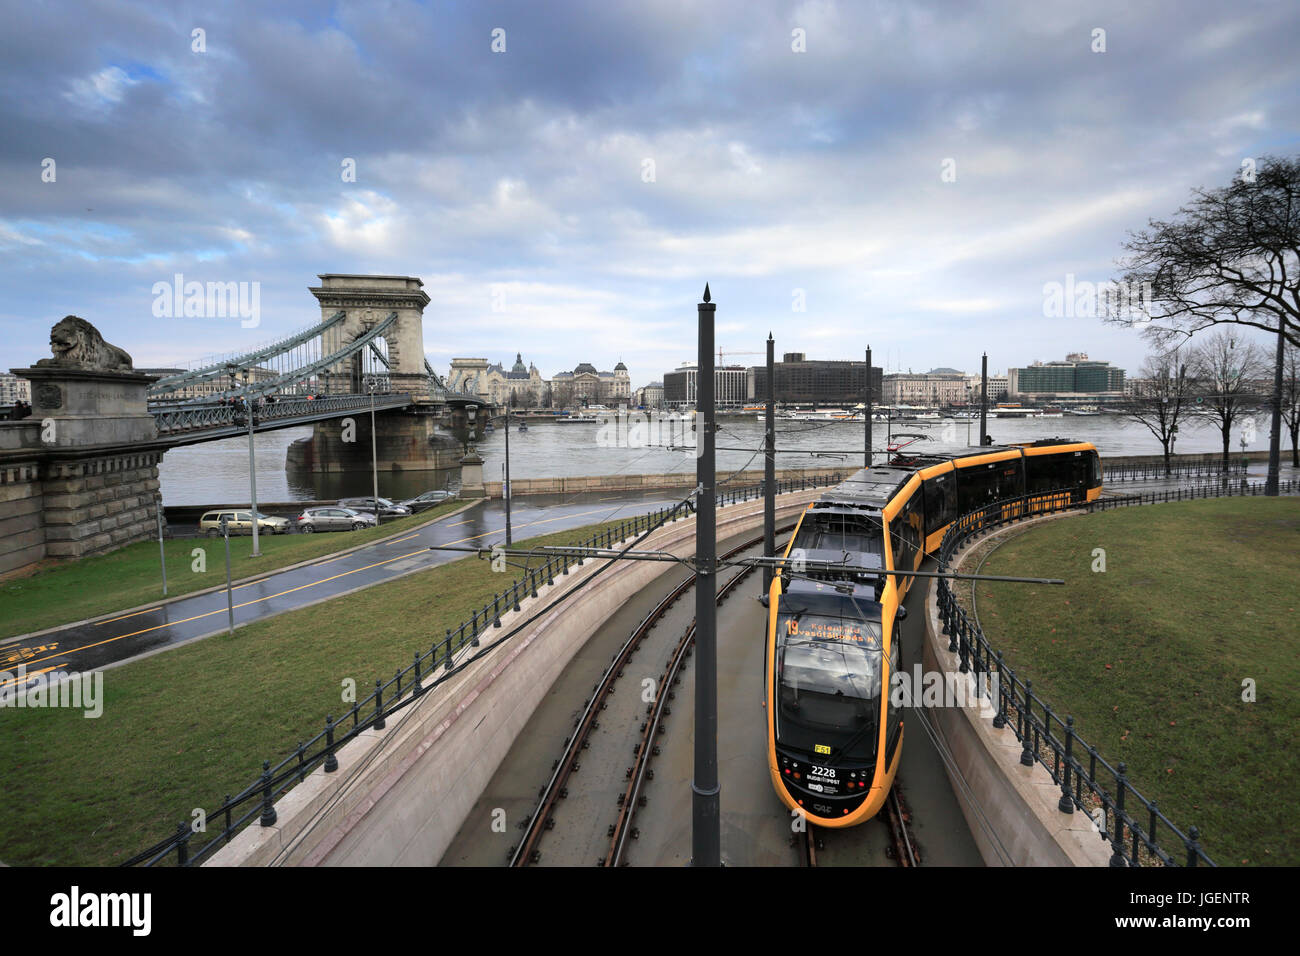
[[115, 639]]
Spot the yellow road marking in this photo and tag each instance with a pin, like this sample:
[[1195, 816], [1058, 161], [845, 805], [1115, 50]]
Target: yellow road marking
[[458, 523], [125, 616], [407, 538], [29, 676]]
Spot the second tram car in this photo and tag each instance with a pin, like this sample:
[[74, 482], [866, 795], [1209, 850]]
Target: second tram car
[[834, 734]]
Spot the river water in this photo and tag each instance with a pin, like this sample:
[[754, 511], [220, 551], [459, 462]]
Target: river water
[[217, 472]]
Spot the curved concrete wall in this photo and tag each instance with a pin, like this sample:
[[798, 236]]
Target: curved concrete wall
[[1011, 809], [401, 794]]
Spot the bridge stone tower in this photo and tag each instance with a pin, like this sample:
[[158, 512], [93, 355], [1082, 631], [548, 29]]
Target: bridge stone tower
[[406, 440], [368, 300]]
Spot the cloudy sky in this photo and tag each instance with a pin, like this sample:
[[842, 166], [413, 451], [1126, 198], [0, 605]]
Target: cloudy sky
[[907, 175]]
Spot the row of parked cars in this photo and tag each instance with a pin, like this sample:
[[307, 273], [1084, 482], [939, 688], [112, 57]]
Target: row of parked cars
[[350, 514]]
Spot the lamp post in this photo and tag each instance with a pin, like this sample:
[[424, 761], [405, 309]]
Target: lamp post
[[505, 490], [372, 385], [866, 416], [706, 836], [252, 466], [968, 416]]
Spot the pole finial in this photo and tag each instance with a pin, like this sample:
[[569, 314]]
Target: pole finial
[[769, 336], [706, 292]]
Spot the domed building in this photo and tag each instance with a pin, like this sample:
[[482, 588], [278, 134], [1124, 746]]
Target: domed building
[[496, 385], [587, 386]]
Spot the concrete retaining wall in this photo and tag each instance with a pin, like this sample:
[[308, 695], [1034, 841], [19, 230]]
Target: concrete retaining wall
[[401, 794], [1011, 809]]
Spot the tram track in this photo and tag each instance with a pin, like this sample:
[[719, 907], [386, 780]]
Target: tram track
[[893, 816], [528, 851]]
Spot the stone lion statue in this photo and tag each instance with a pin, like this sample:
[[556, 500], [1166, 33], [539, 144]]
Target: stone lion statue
[[77, 344]]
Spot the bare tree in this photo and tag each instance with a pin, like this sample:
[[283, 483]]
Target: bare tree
[[1161, 399], [1232, 256], [1224, 369]]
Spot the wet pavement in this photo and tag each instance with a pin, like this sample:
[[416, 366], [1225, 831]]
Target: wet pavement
[[115, 639]]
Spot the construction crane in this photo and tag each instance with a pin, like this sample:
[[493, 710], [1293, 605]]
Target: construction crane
[[721, 353]]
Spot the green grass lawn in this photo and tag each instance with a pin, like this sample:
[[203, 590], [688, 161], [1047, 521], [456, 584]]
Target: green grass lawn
[[1151, 655], [73, 591], [182, 729]]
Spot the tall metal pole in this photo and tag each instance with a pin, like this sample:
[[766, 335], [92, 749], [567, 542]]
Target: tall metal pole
[[984, 396], [162, 551], [706, 838], [230, 592], [1271, 483], [866, 413], [505, 492], [252, 475], [769, 467], [374, 450]]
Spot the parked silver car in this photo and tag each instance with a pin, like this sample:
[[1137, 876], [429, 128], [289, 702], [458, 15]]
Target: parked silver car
[[429, 499], [334, 518], [367, 505]]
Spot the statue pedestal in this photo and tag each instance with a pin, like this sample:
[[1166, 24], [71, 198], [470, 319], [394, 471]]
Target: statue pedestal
[[471, 476], [91, 407], [97, 462]]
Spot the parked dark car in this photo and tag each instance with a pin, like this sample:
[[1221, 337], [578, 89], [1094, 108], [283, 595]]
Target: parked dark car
[[427, 500], [334, 518], [367, 505]]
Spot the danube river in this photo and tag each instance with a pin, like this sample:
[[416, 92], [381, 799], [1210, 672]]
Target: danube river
[[217, 472]]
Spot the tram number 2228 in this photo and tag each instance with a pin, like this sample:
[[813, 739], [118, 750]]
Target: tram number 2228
[[822, 772]]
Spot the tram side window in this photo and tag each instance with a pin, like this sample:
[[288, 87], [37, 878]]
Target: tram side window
[[940, 502], [1010, 479], [1047, 473], [905, 530], [976, 486]]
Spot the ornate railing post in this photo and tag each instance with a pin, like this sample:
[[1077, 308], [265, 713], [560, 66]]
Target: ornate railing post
[[1027, 750], [1117, 843], [379, 705], [331, 762], [268, 811], [1066, 803]]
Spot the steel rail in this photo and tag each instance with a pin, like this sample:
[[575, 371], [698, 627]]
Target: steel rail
[[905, 852], [526, 852], [623, 825]]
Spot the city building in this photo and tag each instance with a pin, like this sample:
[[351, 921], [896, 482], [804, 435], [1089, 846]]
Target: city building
[[586, 386], [998, 388], [1076, 377], [14, 389], [681, 387], [940, 386], [816, 382], [650, 396], [497, 385]]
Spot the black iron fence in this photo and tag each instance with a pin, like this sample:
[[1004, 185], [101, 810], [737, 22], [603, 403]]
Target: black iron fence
[[427, 670], [1132, 824], [1182, 466]]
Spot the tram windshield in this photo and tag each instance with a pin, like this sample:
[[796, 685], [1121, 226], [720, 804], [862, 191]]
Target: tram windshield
[[828, 674]]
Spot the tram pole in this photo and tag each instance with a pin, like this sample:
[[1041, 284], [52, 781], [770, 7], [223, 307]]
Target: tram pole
[[984, 397], [769, 468], [866, 414], [706, 839]]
